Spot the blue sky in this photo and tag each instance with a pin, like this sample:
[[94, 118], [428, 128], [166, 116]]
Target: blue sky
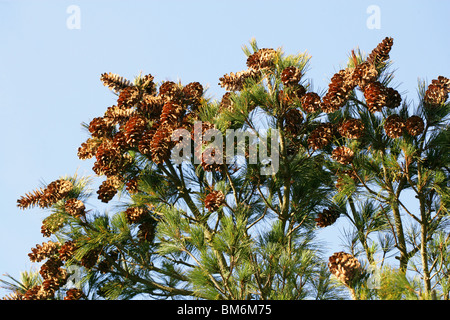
[[49, 74]]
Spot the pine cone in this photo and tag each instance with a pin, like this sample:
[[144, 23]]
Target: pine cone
[[108, 189], [161, 144], [261, 59], [30, 199], [134, 129], [339, 89], [393, 126], [381, 52], [146, 232], [74, 294], [67, 250], [132, 185], [292, 121], [364, 74], [75, 208], [310, 102], [100, 127], [169, 90], [88, 149], [321, 136], [393, 98], [44, 251], [90, 259], [437, 92], [54, 192], [118, 114], [136, 215], [326, 218], [128, 97], [214, 200], [226, 103], [291, 76], [114, 81], [236, 81], [192, 94], [344, 266], [351, 129], [344, 155], [375, 95], [414, 125], [151, 107], [110, 159]]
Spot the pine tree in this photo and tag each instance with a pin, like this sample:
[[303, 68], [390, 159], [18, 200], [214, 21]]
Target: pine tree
[[218, 226]]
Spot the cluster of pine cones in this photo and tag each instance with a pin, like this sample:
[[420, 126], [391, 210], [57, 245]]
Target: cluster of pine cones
[[52, 272], [142, 120]]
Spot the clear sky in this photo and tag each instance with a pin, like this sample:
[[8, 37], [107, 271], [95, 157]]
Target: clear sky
[[49, 72]]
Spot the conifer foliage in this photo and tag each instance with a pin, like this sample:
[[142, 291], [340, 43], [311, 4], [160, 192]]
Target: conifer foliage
[[212, 229]]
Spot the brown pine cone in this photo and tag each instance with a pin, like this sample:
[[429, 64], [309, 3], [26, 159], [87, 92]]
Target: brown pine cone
[[128, 97], [214, 200], [375, 95], [344, 155], [291, 76], [44, 251], [321, 136], [114, 81], [437, 92], [261, 59], [88, 149], [75, 208], [326, 218], [161, 144], [134, 129], [136, 215], [339, 89], [414, 125], [74, 294], [292, 121], [310, 102], [393, 98], [67, 250], [55, 191], [381, 52], [351, 129], [345, 267], [364, 74], [393, 126], [236, 81], [108, 189], [192, 94], [146, 232]]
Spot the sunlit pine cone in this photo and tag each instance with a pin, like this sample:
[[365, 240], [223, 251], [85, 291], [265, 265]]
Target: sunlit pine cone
[[134, 129], [99, 127], [172, 114], [151, 106], [381, 52], [55, 191], [114, 81], [169, 90], [364, 74], [344, 266], [44, 251], [108, 189], [192, 94], [291, 76], [67, 250], [30, 199], [214, 200], [88, 149], [437, 92], [136, 214], [393, 126], [326, 218], [261, 59], [339, 88], [414, 125], [236, 81], [128, 97], [75, 208], [110, 159], [344, 155], [226, 104], [310, 102], [351, 128], [74, 294], [375, 95], [161, 144], [321, 136], [132, 185]]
